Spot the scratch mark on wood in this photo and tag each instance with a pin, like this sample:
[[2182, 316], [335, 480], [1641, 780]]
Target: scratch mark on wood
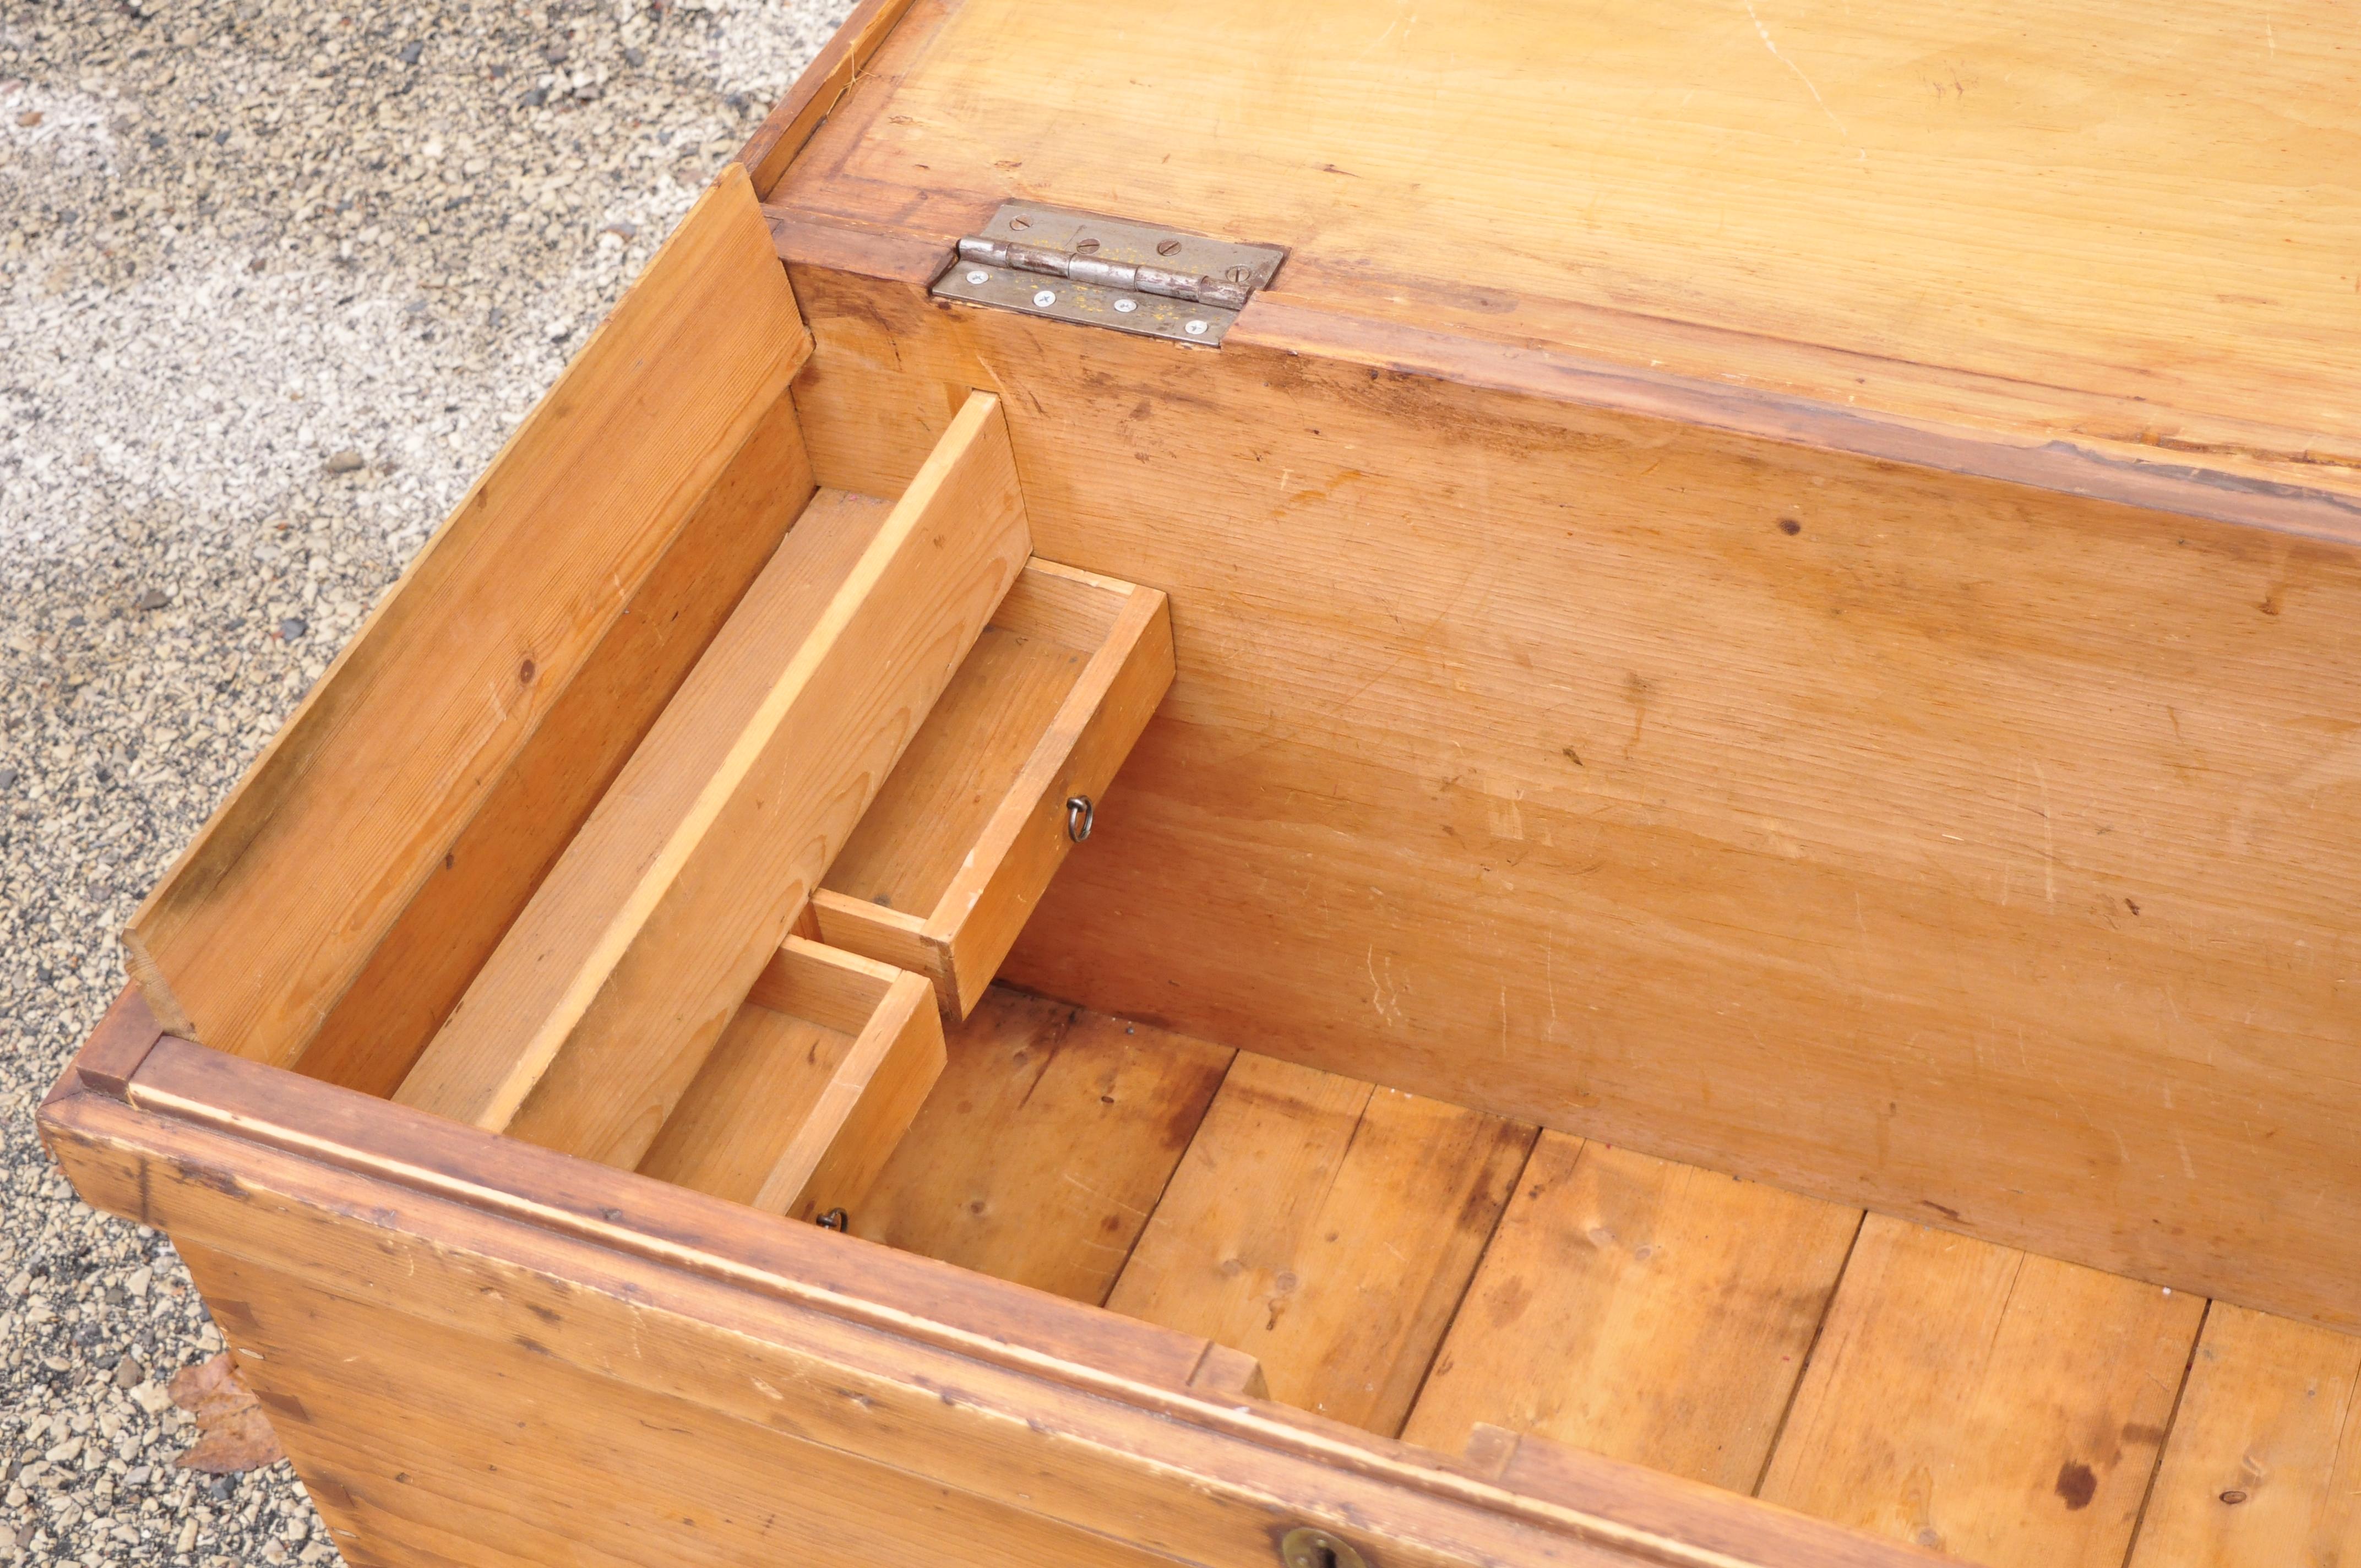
[[1765, 34]]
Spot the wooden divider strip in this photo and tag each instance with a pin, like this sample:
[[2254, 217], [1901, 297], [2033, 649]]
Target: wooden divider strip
[[600, 1004]]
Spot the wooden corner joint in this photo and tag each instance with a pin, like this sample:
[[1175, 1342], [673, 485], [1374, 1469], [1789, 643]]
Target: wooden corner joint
[[1222, 1373], [116, 1047]]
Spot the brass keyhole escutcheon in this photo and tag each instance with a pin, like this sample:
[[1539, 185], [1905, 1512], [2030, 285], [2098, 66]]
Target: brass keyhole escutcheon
[[1306, 1546]]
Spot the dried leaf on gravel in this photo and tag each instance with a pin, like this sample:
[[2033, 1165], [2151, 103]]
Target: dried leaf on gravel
[[236, 1435]]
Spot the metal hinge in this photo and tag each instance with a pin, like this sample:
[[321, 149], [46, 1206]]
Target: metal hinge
[[1083, 267]]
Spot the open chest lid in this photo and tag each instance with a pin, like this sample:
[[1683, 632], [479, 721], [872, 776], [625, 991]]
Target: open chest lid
[[2105, 252]]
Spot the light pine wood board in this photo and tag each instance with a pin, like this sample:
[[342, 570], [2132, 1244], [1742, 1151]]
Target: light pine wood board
[[802, 1100], [934, 806], [1327, 1227], [1995, 1405], [372, 1037], [1649, 1312], [505, 1033], [953, 858], [425, 1446], [698, 1321], [275, 910], [597, 1010], [2005, 212], [1969, 852], [1045, 1145], [2263, 1468]]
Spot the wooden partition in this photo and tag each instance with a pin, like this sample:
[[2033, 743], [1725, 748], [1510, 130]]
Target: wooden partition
[[482, 710], [598, 1006], [1002, 782]]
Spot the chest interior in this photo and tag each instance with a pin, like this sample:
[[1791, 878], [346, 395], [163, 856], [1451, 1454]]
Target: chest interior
[[1227, 842]]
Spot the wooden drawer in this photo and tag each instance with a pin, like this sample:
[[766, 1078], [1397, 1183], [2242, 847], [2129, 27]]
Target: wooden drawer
[[816, 1079], [1578, 888], [1001, 780]]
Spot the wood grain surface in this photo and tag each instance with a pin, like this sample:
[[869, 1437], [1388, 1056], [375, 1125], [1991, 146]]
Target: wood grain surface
[[1649, 1312], [601, 1004], [275, 910], [2000, 1407], [1328, 1228], [2047, 224], [1976, 854], [1045, 1145], [2263, 1468]]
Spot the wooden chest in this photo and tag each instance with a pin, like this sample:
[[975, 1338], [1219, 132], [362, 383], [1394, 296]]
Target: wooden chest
[[1337, 785]]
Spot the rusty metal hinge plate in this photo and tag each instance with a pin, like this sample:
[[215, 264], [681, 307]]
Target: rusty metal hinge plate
[[1103, 271]]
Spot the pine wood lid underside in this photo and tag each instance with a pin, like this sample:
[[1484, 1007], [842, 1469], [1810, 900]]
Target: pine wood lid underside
[[2090, 226]]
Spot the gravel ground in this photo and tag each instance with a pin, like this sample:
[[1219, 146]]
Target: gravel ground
[[275, 280]]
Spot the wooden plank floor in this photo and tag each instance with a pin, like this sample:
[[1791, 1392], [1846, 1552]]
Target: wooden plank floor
[[1327, 1228], [1986, 1402], [1415, 1268], [1650, 1311], [1045, 1145]]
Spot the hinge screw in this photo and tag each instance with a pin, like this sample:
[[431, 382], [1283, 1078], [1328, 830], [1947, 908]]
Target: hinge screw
[[979, 276], [1045, 297], [1167, 246], [1195, 329], [1125, 307]]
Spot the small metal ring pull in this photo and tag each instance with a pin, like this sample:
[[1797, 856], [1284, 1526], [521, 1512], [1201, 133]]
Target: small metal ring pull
[[834, 1220], [1078, 815]]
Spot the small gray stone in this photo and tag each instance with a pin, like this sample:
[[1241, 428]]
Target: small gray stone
[[150, 599], [294, 626], [346, 462], [129, 1374], [410, 51]]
